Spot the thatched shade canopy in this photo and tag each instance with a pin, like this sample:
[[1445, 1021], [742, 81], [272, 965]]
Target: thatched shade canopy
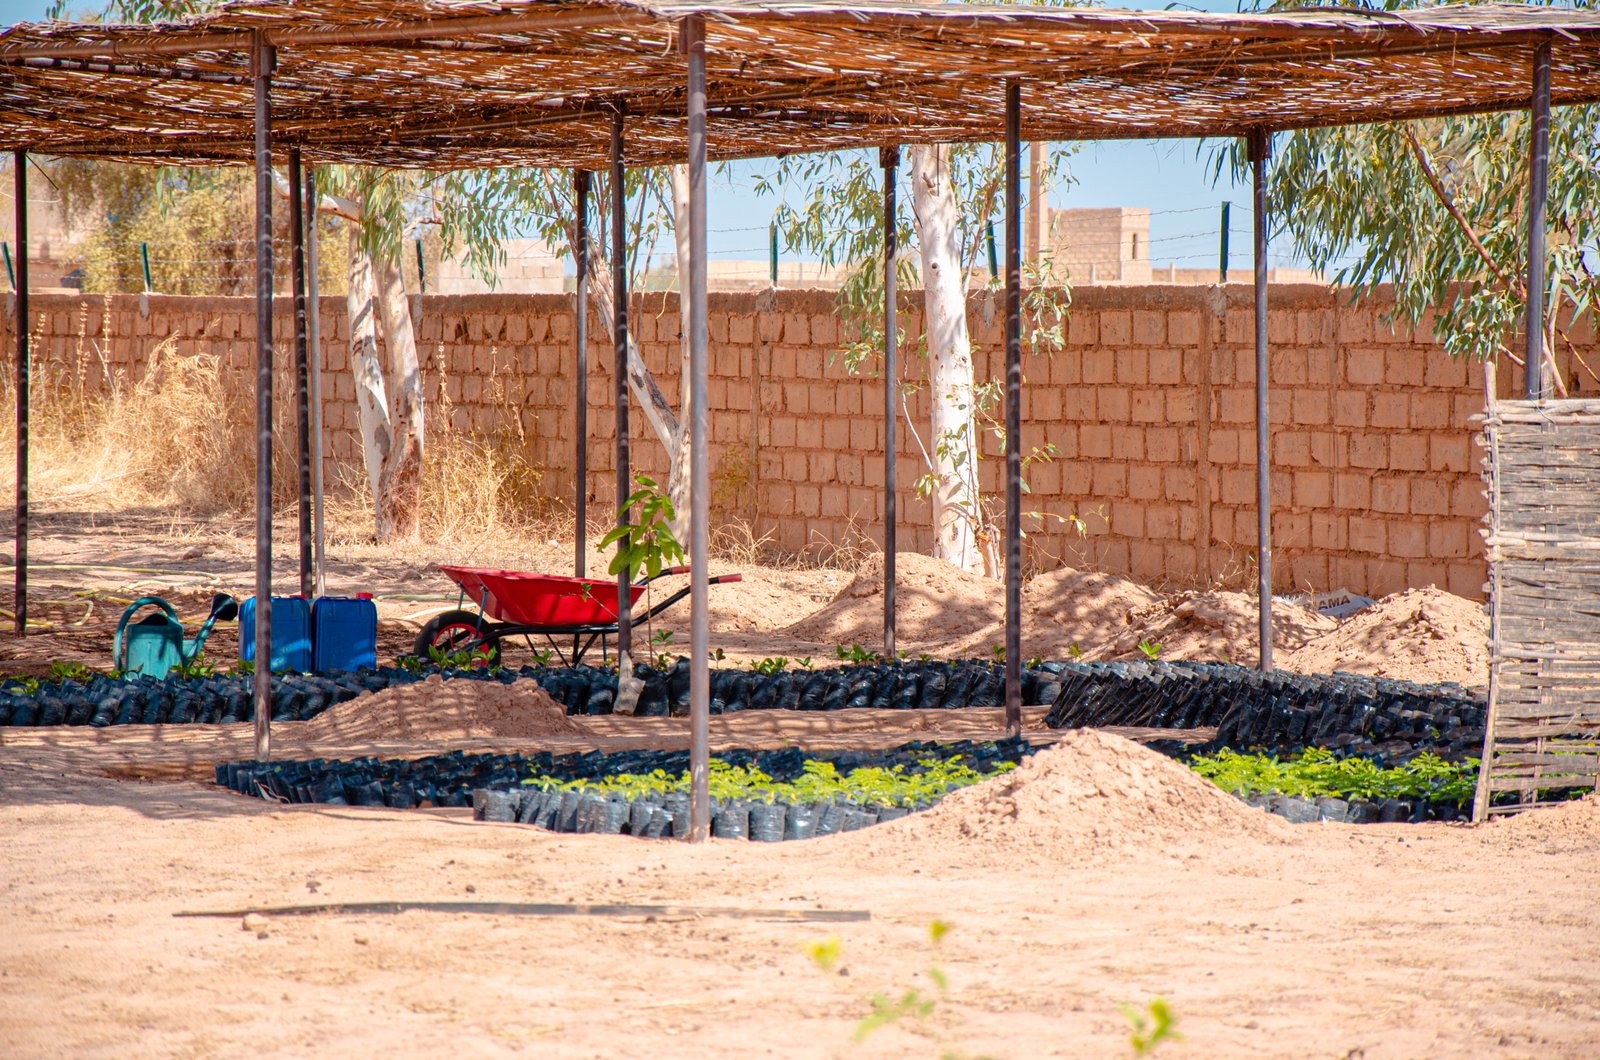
[[533, 82]]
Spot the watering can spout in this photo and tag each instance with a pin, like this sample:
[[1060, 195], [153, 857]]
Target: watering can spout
[[224, 608]]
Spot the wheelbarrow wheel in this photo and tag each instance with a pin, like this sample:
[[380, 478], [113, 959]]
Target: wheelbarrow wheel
[[456, 631]]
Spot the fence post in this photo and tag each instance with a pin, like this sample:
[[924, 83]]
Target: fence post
[[1222, 257]]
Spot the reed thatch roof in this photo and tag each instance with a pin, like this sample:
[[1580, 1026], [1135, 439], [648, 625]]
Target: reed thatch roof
[[459, 83]]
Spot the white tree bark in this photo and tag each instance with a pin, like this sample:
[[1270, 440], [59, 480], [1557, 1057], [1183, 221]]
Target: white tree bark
[[400, 486], [371, 395], [678, 476], [956, 512], [390, 404]]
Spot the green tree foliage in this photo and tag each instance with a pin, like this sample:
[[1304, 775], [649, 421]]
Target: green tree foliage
[[1439, 209]]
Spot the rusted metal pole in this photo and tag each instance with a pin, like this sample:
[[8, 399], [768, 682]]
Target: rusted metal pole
[[619, 310], [1259, 146], [580, 328], [314, 344], [693, 37], [1538, 384], [20, 187], [889, 158], [262, 60], [302, 369], [1014, 407]]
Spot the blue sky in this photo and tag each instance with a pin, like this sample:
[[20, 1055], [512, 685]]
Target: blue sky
[[1168, 176]]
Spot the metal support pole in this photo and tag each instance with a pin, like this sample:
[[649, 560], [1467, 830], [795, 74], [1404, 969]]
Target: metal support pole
[[1013, 408], [144, 266], [261, 62], [1259, 147], [20, 166], [580, 441], [314, 346], [1538, 386], [1222, 255], [889, 158], [693, 37], [302, 370], [422, 271], [619, 331]]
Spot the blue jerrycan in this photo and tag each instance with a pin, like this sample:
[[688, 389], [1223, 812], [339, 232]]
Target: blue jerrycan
[[155, 644]]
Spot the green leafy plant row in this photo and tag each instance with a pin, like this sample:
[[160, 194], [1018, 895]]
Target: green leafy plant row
[[1317, 772], [820, 781]]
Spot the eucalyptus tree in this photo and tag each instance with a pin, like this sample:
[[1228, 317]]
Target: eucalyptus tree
[[1439, 209]]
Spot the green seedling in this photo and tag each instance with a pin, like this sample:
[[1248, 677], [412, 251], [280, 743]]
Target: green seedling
[[770, 665], [804, 664], [69, 671], [1075, 651], [1150, 1028], [1150, 649], [856, 654]]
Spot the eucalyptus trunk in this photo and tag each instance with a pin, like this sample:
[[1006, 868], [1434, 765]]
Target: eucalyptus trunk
[[957, 516]]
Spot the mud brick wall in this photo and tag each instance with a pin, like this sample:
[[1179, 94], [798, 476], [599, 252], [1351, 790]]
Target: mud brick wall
[[1150, 405]]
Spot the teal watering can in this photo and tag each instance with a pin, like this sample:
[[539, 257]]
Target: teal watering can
[[154, 645]]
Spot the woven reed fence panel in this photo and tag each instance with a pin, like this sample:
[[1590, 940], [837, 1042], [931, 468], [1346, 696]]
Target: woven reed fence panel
[[1542, 466]]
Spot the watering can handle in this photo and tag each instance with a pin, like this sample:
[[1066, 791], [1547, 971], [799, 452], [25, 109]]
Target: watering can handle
[[116, 642]]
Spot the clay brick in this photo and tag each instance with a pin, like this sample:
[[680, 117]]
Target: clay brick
[[1110, 480], [1099, 367], [1350, 408], [1182, 406], [1430, 412], [1405, 367], [1112, 405], [796, 331], [1161, 444], [1133, 367], [1442, 370], [1148, 406], [1225, 446], [1390, 411], [1368, 534], [1391, 495], [1408, 540], [1236, 406], [1094, 441], [1149, 328], [1127, 443], [1116, 327], [1310, 407], [1238, 486], [1363, 367], [1467, 579], [1291, 449], [1083, 329], [1328, 532], [1183, 328], [1165, 367], [1181, 562], [1144, 482], [1177, 483], [1429, 496], [1127, 519], [1467, 499], [1313, 489], [1447, 539], [1369, 450], [742, 330], [1449, 453]]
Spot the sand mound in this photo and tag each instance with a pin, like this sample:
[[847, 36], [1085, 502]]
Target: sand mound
[[1215, 626], [436, 709], [1575, 822], [1086, 608], [764, 601], [1423, 635], [936, 603], [1092, 793]]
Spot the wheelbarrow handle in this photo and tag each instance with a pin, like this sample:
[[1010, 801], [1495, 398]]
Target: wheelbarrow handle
[[665, 571], [724, 579]]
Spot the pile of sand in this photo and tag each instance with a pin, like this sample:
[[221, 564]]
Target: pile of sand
[[936, 603], [764, 600], [1086, 608], [1424, 635], [1215, 626], [1567, 824], [1091, 794], [436, 709]]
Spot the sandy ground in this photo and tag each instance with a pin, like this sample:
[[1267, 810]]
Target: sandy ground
[[1328, 941], [1091, 893]]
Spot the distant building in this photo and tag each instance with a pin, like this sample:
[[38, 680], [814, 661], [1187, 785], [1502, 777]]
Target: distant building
[[1112, 245], [531, 267]]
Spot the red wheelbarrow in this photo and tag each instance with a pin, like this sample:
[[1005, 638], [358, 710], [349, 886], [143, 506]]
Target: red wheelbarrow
[[518, 604]]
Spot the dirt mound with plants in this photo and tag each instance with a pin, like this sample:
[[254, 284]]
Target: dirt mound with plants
[[1070, 607], [1425, 635], [1214, 626], [936, 604], [436, 709], [1091, 794]]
